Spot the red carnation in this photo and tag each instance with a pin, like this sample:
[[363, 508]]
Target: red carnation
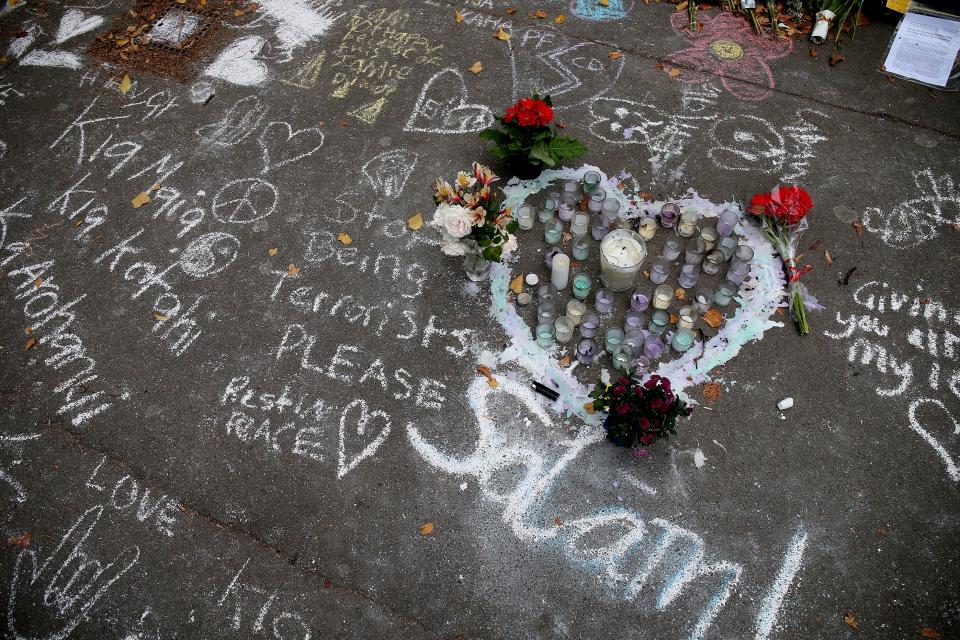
[[530, 113], [788, 203]]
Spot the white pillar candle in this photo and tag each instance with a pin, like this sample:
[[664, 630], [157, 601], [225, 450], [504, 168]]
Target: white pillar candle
[[561, 271], [621, 254], [648, 228]]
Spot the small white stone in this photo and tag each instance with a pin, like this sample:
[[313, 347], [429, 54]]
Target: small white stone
[[532, 279], [785, 404]]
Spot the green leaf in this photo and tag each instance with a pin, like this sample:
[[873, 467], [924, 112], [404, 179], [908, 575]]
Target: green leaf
[[562, 147], [541, 151]]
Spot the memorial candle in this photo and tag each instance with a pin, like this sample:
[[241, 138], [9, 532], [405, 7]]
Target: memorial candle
[[662, 296], [587, 351], [647, 228], [525, 215], [563, 329], [575, 311], [591, 180], [621, 254], [580, 248], [687, 225], [669, 214], [561, 271], [682, 340], [589, 324], [581, 286], [603, 301], [580, 225]]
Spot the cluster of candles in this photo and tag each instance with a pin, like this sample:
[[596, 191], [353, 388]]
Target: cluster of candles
[[639, 340]]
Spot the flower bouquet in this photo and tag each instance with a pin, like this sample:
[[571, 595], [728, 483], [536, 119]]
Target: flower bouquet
[[471, 222], [527, 142], [638, 414], [783, 214]]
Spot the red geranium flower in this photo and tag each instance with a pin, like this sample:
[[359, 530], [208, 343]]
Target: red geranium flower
[[530, 113], [787, 203]]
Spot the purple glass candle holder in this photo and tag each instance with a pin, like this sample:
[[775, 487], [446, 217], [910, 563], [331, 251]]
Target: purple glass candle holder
[[689, 274], [550, 254], [671, 249], [652, 346], [659, 271], [669, 214], [603, 301], [640, 299], [589, 325], [727, 221], [633, 321], [587, 351]]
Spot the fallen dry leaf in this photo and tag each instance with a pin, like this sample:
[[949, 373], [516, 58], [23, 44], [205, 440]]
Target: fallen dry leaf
[[712, 391], [416, 222], [327, 583], [827, 257], [293, 269], [160, 317], [881, 532], [28, 331], [674, 72], [926, 632], [31, 343], [38, 282], [851, 620], [603, 3], [713, 317], [426, 528], [681, 294], [560, 19], [511, 10], [516, 285], [344, 238], [485, 372], [273, 251], [859, 229], [614, 55], [565, 361], [539, 14], [458, 17], [24, 541], [814, 53], [125, 84], [588, 407], [557, 521], [836, 59], [501, 34], [682, 5], [563, 125], [141, 199], [476, 67], [238, 12]]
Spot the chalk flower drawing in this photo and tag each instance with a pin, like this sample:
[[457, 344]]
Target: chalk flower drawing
[[727, 47]]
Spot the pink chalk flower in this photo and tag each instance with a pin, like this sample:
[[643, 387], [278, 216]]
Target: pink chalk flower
[[726, 46]]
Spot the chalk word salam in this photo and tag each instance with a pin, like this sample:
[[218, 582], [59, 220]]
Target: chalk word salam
[[442, 107], [65, 586], [919, 219], [930, 363]]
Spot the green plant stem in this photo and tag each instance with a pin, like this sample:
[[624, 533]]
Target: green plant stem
[[772, 10], [692, 13], [753, 19]]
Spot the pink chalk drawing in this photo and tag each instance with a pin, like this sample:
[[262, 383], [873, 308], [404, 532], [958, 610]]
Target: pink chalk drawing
[[726, 46]]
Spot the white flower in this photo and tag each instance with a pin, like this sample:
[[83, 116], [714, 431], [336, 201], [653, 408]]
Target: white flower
[[509, 246], [453, 248], [465, 180], [458, 222]]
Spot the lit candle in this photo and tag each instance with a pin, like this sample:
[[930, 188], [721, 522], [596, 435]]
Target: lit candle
[[634, 338], [623, 358], [603, 300], [561, 271], [621, 254], [669, 214], [580, 225], [581, 286], [525, 216], [662, 296], [563, 329], [687, 225], [647, 228], [686, 317], [682, 340], [612, 339], [581, 248], [659, 320], [575, 311], [587, 351], [589, 324]]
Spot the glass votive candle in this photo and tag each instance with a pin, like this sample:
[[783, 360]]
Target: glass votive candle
[[595, 203], [563, 329], [659, 271], [642, 362], [603, 300], [633, 321], [689, 274], [598, 227], [552, 231], [662, 296], [696, 249], [546, 312], [575, 311], [545, 214], [580, 225], [525, 215], [712, 262], [727, 221], [682, 340], [591, 180], [686, 317], [671, 249], [547, 293], [623, 358], [611, 209], [710, 237], [572, 187], [725, 292], [742, 255], [581, 286], [702, 299], [523, 299], [550, 201], [580, 248], [687, 224], [550, 254], [727, 245], [589, 324], [669, 214], [565, 212], [647, 228], [612, 339], [587, 351], [640, 299], [738, 276], [545, 333], [659, 320], [653, 345], [634, 338]]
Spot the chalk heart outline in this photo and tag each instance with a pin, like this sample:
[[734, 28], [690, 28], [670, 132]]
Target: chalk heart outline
[[277, 134], [74, 23], [238, 63], [471, 117], [365, 419]]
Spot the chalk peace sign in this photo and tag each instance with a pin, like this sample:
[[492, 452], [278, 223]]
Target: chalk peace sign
[[244, 201]]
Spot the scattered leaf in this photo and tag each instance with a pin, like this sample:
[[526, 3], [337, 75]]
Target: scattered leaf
[[674, 72], [780, 311], [24, 541], [926, 632], [485, 372], [614, 55], [125, 84], [416, 222], [28, 331], [681, 294], [836, 59], [603, 3], [272, 252], [712, 391], [122, 42], [851, 620], [142, 198], [859, 229], [682, 5], [516, 285], [501, 34], [588, 407], [293, 269], [327, 583], [511, 10], [476, 67], [713, 317], [31, 343], [458, 17], [38, 282], [557, 521], [160, 317], [565, 361], [344, 123], [539, 14], [426, 528], [563, 125], [956, 227], [827, 257], [814, 53], [881, 532], [238, 12], [560, 19], [925, 301], [344, 238]]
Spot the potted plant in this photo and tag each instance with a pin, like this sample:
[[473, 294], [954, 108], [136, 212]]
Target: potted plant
[[638, 413], [471, 222], [526, 142]]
